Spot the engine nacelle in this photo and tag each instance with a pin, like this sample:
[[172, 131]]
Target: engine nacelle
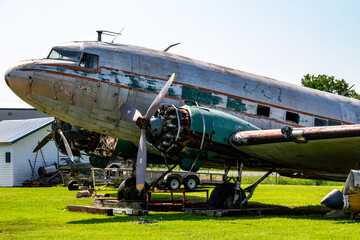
[[81, 139], [192, 134]]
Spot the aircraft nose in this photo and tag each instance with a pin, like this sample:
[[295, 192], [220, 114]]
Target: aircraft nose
[[19, 79]]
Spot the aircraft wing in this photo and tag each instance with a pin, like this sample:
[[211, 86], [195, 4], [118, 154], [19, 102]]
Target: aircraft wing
[[324, 152]]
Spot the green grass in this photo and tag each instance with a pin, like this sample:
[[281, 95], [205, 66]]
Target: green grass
[[40, 213], [280, 180]]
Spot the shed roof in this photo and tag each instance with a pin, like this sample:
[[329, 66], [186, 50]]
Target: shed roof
[[15, 105], [12, 131]]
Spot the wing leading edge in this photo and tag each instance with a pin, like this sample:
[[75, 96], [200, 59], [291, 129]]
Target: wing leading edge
[[318, 152]]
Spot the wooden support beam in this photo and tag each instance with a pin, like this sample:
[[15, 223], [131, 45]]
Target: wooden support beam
[[90, 209]]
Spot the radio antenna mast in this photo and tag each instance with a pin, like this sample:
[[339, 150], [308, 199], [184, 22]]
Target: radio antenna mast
[[117, 35], [109, 33]]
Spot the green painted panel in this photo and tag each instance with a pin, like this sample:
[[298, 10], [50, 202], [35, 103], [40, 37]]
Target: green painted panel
[[225, 125], [196, 95], [125, 149], [98, 161], [235, 104], [197, 120]]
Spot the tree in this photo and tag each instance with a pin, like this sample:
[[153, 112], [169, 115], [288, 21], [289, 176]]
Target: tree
[[328, 84]]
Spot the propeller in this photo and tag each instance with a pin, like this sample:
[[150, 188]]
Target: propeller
[[48, 137], [67, 146], [44, 141], [143, 123]]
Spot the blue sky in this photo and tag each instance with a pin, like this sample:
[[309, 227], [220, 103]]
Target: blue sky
[[281, 39]]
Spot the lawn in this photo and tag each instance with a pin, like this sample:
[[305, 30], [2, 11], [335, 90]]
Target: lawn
[[40, 213]]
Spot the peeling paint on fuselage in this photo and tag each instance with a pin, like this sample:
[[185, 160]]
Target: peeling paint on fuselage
[[232, 91]]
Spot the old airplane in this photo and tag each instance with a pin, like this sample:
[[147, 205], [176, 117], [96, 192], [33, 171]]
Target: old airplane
[[190, 113]]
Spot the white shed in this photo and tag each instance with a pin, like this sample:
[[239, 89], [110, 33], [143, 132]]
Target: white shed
[[18, 138]]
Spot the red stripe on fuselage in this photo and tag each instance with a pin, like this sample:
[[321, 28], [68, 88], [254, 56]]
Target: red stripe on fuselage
[[177, 98]]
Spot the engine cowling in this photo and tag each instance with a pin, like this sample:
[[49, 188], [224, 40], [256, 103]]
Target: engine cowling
[[192, 134]]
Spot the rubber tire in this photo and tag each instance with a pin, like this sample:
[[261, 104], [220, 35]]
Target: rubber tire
[[127, 190], [188, 185], [171, 180], [222, 196], [71, 186]]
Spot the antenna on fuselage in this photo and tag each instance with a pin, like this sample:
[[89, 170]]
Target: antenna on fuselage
[[109, 33], [347, 90], [172, 45]]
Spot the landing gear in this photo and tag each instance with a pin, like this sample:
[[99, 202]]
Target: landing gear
[[127, 190], [222, 197], [230, 195]]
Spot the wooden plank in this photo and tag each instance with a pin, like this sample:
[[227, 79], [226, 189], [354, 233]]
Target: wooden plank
[[89, 209]]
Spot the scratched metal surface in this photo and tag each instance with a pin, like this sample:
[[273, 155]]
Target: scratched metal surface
[[134, 75]]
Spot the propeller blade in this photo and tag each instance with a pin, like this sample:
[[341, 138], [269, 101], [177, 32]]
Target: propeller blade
[[156, 103], [67, 146], [129, 111], [44, 141], [141, 162]]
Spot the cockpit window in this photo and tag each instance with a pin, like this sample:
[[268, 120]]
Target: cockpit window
[[90, 61], [65, 55]]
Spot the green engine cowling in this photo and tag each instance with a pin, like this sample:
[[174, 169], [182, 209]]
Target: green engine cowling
[[193, 134]]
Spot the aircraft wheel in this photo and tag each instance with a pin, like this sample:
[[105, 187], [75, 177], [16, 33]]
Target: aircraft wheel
[[127, 190], [73, 185], [228, 197], [173, 182], [191, 182], [222, 196]]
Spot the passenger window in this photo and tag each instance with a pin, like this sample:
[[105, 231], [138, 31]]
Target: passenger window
[[90, 61], [263, 110], [320, 122], [292, 117], [332, 123]]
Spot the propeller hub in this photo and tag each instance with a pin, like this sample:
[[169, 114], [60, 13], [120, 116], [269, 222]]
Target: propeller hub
[[156, 124], [142, 123]]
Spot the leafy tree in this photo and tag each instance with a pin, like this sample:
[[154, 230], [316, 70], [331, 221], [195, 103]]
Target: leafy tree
[[328, 84]]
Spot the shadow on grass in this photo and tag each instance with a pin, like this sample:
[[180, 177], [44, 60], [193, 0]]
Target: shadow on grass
[[124, 218], [268, 212]]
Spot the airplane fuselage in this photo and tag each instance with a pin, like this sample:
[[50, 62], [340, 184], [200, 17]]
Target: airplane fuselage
[[82, 83], [89, 97]]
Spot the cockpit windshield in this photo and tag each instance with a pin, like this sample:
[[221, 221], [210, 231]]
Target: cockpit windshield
[[65, 55]]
